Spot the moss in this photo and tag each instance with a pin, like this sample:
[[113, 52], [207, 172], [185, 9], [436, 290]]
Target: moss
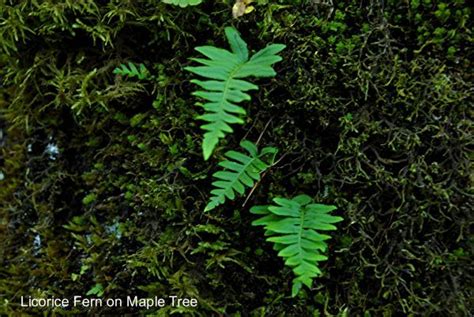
[[370, 108]]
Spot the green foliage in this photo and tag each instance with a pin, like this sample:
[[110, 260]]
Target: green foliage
[[183, 3], [89, 199], [372, 109], [226, 87], [141, 72], [97, 290], [293, 225], [240, 171]]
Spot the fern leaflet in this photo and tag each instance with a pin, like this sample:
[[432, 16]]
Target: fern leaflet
[[292, 225], [226, 87], [240, 171], [141, 72], [183, 3]]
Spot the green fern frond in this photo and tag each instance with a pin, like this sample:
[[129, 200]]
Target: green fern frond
[[293, 225], [226, 86], [141, 72], [240, 171], [183, 3]]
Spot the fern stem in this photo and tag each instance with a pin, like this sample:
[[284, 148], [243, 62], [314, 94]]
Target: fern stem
[[253, 189], [264, 129]]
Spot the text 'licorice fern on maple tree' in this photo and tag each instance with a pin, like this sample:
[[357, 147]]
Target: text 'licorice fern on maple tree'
[[226, 87], [292, 225], [240, 171]]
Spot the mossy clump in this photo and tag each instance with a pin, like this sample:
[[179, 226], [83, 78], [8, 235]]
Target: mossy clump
[[103, 185]]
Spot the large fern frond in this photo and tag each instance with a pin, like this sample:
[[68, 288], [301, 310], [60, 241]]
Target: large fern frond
[[292, 225], [240, 171], [183, 3], [226, 86]]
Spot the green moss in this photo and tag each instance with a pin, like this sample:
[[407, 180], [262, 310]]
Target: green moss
[[371, 108], [89, 199]]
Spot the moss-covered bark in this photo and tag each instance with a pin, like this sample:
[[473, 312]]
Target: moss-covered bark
[[104, 185]]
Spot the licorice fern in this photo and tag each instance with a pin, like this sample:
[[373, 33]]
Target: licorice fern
[[292, 225], [226, 86], [240, 171], [183, 3], [141, 72]]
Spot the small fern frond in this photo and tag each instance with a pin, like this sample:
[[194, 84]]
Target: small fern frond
[[141, 72], [226, 87], [183, 3], [240, 171], [293, 225]]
